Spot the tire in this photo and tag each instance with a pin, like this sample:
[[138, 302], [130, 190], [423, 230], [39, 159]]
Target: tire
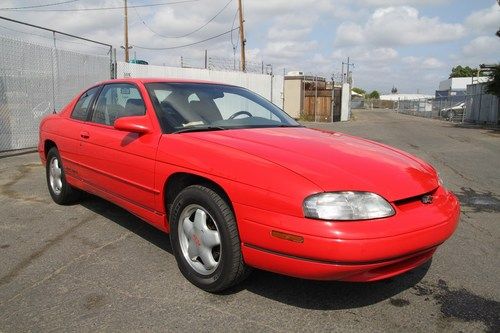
[[451, 115], [198, 214], [61, 192]]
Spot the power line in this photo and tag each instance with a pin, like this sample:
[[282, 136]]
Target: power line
[[233, 44], [189, 33], [42, 36], [38, 6], [232, 27], [55, 31], [103, 8], [186, 45]]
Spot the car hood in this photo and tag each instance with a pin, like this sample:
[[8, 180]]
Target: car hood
[[333, 161]]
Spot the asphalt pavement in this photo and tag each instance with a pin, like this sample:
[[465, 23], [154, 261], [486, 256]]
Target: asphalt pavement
[[93, 266]]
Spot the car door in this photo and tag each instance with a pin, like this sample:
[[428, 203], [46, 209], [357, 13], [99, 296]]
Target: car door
[[117, 162], [68, 131]]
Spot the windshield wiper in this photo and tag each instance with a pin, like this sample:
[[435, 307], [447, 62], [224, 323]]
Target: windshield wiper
[[199, 129]]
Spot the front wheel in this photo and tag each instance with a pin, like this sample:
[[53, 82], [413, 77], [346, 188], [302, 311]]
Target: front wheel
[[61, 192], [205, 239], [451, 115]]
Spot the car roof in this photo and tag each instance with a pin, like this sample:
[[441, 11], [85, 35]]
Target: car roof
[[155, 80]]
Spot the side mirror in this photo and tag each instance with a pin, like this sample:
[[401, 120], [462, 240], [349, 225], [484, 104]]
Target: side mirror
[[134, 124]]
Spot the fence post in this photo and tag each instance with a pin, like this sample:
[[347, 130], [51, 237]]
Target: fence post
[[54, 68], [480, 101], [315, 98], [272, 76]]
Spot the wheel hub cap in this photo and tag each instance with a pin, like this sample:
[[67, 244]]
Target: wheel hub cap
[[199, 239], [55, 176]]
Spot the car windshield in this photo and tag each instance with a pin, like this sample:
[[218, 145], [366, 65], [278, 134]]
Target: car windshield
[[187, 107]]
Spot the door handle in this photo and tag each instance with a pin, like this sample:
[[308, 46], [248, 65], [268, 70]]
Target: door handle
[[84, 135]]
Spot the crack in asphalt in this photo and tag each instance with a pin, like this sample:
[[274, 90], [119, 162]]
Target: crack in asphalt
[[6, 189], [66, 265], [14, 272], [157, 300], [443, 162]]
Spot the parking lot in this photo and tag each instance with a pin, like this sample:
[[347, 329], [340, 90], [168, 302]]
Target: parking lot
[[93, 266]]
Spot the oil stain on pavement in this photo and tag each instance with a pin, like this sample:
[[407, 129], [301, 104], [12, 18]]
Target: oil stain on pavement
[[479, 202], [461, 304]]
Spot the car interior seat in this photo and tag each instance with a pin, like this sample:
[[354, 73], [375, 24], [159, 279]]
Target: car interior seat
[[134, 107]]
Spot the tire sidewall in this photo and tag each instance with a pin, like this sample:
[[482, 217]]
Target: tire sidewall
[[220, 277], [58, 198]]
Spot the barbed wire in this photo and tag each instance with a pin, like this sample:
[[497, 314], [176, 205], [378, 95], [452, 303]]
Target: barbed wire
[[233, 64]]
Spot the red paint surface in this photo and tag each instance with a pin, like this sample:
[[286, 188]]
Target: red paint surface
[[267, 173]]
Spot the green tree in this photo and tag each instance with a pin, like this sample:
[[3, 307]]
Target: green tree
[[493, 86], [374, 95], [459, 71], [358, 91]]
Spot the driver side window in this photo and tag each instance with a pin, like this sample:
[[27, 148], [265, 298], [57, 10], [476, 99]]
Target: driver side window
[[116, 101], [232, 103]]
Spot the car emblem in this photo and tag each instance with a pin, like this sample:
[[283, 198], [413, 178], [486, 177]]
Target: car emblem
[[426, 199]]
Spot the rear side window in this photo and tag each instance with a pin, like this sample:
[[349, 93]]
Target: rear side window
[[82, 107], [118, 100]]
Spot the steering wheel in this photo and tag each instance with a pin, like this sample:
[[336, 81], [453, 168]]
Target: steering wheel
[[239, 113]]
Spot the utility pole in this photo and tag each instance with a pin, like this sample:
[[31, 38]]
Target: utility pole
[[348, 64], [243, 41], [126, 32]]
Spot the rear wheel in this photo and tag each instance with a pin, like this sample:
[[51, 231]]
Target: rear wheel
[[451, 115], [61, 192], [205, 239]]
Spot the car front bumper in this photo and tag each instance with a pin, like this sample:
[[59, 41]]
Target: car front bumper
[[348, 251]]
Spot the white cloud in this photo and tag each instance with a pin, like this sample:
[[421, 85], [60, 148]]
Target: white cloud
[[393, 26], [423, 63], [485, 20], [486, 47], [350, 33], [380, 3], [290, 33], [367, 55], [432, 63]]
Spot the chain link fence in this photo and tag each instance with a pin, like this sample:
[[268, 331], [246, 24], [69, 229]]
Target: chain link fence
[[474, 107], [36, 80], [450, 110]]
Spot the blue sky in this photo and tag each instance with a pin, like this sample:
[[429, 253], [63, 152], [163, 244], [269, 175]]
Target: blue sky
[[411, 44]]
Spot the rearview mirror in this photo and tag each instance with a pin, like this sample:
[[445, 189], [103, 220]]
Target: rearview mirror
[[135, 124]]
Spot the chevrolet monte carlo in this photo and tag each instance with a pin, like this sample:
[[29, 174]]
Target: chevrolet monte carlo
[[239, 184]]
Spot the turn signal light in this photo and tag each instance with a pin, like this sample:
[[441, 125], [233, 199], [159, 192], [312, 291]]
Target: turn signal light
[[288, 237]]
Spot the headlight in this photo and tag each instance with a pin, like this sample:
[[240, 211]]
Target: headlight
[[346, 206]]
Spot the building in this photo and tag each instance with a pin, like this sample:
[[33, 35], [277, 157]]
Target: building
[[311, 98], [454, 89], [404, 97]]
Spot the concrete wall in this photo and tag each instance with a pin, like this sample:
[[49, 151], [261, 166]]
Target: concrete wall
[[270, 87], [345, 111], [293, 103]]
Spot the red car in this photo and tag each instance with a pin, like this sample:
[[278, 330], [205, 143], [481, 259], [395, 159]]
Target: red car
[[238, 183]]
